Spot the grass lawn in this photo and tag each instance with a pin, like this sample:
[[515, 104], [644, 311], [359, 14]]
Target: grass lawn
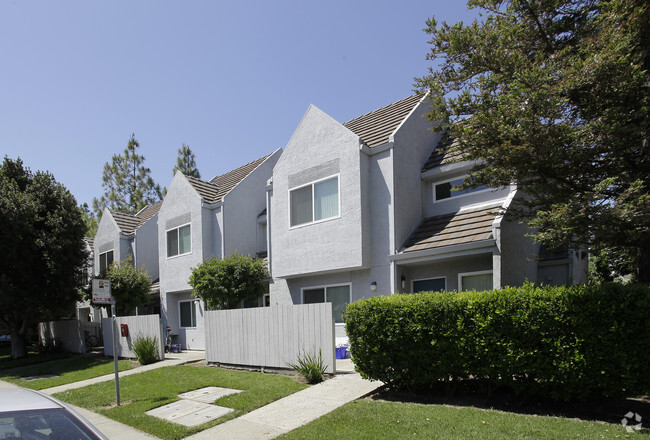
[[371, 420], [31, 359], [69, 369], [141, 392]]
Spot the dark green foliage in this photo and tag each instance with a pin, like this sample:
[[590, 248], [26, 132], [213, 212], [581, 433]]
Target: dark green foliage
[[565, 343], [558, 94], [43, 251], [146, 349], [130, 286], [311, 366], [224, 284], [186, 162]]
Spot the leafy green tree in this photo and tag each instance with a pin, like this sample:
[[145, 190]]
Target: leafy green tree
[[130, 286], [128, 185], [43, 251], [186, 162], [554, 95], [225, 283], [89, 219]]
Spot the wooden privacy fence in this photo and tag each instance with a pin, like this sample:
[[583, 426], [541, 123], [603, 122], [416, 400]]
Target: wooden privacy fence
[[69, 333], [138, 326], [270, 336]]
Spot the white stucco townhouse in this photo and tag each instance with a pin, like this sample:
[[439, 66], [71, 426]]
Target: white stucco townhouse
[[366, 208], [201, 219]]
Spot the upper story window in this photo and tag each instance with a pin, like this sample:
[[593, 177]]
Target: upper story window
[[179, 241], [446, 190], [105, 261], [314, 202]]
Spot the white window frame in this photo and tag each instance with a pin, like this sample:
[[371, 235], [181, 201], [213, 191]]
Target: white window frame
[[426, 279], [326, 286], [480, 272], [435, 199], [99, 261], [177, 228], [312, 184], [179, 312]]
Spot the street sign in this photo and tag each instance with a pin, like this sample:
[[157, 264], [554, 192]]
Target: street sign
[[102, 292]]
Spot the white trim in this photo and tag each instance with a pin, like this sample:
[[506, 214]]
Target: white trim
[[470, 192], [427, 279], [478, 272], [179, 312], [179, 242], [312, 184]]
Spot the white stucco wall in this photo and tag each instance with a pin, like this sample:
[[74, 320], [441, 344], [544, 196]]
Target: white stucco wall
[[320, 147], [242, 205], [109, 238], [414, 141], [146, 247]]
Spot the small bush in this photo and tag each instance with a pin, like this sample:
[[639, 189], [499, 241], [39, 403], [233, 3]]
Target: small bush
[[564, 343], [310, 366], [146, 349]]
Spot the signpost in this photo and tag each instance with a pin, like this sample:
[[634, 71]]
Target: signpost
[[102, 295]]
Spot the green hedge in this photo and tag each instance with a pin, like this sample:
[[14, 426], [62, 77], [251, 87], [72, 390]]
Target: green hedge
[[565, 343]]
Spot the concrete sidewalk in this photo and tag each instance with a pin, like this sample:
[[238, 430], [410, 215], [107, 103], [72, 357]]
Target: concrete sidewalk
[[109, 427], [170, 360], [264, 423], [295, 410]]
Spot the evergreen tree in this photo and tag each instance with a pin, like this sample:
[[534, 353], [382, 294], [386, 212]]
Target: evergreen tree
[[186, 162], [555, 96], [128, 185], [43, 250]]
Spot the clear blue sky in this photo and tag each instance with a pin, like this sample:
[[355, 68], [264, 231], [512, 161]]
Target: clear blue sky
[[230, 79]]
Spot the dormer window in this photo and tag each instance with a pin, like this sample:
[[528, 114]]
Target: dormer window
[[314, 202], [449, 189], [179, 241]]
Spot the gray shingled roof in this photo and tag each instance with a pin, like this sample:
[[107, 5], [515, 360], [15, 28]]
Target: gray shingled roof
[[466, 226], [228, 181], [376, 127], [443, 154], [208, 191], [214, 190], [128, 223]]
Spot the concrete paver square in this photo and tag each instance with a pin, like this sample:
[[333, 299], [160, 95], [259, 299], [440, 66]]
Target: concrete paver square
[[205, 415], [189, 412], [208, 394]]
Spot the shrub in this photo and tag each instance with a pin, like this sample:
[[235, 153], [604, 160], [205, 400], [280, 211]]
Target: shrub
[[146, 349], [559, 342], [310, 366]]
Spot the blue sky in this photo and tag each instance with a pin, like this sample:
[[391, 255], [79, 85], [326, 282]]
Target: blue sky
[[231, 80]]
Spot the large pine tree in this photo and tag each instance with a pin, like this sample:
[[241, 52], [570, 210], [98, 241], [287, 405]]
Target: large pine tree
[[555, 96], [128, 185]]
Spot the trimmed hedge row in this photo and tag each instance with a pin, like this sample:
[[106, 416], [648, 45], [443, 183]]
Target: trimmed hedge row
[[565, 343]]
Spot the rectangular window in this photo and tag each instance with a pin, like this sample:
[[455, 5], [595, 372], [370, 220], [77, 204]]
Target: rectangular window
[[314, 202], [105, 261], [339, 296], [187, 313], [475, 281], [429, 285], [446, 190], [179, 241]]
